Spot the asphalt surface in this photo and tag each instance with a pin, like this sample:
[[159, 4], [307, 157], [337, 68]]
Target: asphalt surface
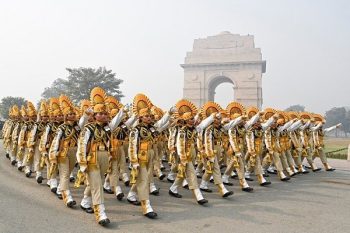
[[317, 202]]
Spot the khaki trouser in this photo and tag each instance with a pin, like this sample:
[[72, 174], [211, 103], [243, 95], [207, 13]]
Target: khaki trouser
[[290, 159], [142, 183], [115, 167], [48, 165], [235, 162], [20, 153], [95, 175], [28, 158], [216, 168], [275, 158], [257, 167], [37, 157], [224, 157], [13, 151], [142, 180], [297, 157], [87, 190], [150, 165], [321, 154], [308, 155], [122, 160], [126, 149], [284, 161], [190, 175], [65, 167], [156, 160], [174, 161]]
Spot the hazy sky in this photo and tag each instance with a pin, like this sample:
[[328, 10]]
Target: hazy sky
[[306, 45]]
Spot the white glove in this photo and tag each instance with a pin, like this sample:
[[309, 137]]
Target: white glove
[[172, 110]]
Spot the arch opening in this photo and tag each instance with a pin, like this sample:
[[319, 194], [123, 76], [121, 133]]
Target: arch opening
[[221, 90]]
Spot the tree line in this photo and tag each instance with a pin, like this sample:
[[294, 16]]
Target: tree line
[[77, 86]]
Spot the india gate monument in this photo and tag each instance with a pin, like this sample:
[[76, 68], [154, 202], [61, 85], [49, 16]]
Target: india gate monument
[[224, 58]]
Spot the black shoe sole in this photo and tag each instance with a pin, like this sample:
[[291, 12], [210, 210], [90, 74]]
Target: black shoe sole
[[120, 196], [202, 202], [206, 190], [170, 181], [228, 184], [230, 193], [175, 194], [151, 215], [265, 183], [272, 172], [39, 180], [104, 222], [87, 210], [248, 190], [71, 204], [155, 193], [137, 203], [109, 191]]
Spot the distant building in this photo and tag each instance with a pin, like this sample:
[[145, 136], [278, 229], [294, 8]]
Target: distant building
[[224, 58]]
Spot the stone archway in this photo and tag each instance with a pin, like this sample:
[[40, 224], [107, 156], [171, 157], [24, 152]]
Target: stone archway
[[214, 83], [225, 57]]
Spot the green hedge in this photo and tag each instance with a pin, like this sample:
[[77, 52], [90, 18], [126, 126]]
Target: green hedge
[[337, 156]]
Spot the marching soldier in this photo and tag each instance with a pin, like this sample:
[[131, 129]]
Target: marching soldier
[[272, 144], [185, 146], [213, 149], [7, 133], [318, 137], [56, 119], [34, 141], [237, 132], [63, 148], [24, 153], [141, 152], [94, 152]]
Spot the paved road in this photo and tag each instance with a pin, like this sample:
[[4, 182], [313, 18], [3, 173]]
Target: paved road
[[309, 203]]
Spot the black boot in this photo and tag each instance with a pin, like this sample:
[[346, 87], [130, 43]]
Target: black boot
[[202, 202], [151, 215], [137, 203], [171, 193], [248, 189], [104, 222]]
